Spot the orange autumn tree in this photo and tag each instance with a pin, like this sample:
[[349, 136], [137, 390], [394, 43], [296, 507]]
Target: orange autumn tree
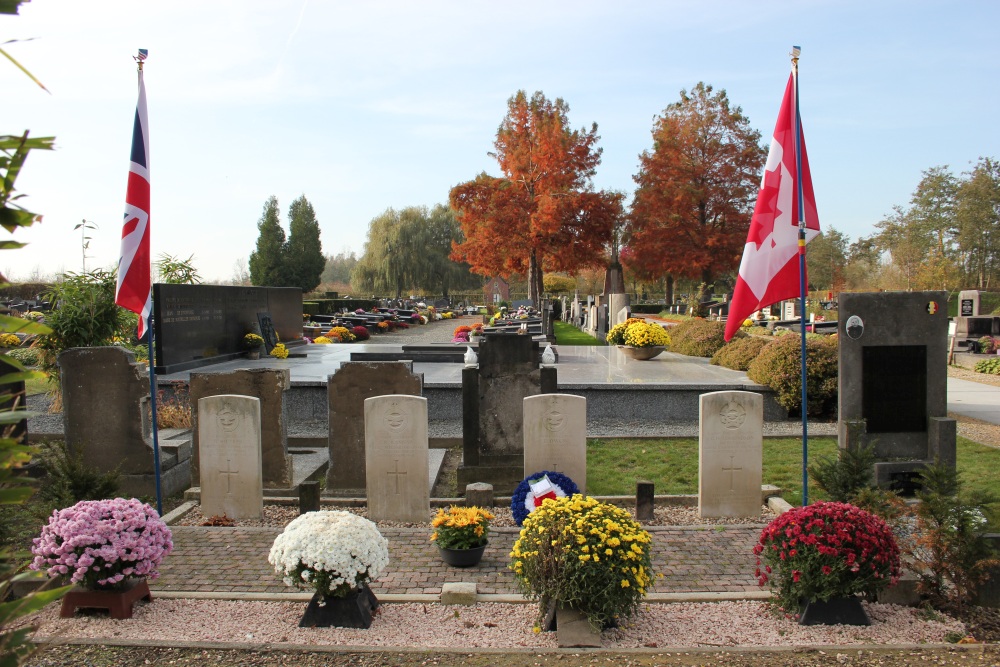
[[542, 214], [696, 191]]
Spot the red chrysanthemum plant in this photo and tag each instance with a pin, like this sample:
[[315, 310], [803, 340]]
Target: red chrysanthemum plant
[[826, 550]]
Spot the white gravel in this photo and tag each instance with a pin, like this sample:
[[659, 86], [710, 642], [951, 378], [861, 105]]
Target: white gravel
[[486, 625]]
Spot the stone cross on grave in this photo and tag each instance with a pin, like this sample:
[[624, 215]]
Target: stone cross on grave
[[229, 476], [396, 473], [731, 469]]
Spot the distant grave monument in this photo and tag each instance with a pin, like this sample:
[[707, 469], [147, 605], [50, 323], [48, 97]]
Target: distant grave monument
[[893, 389], [229, 456], [347, 390], [106, 415], [396, 458], [269, 386], [730, 453], [555, 436], [493, 409]]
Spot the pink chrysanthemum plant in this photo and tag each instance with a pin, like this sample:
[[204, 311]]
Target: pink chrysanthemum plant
[[826, 550], [103, 544]]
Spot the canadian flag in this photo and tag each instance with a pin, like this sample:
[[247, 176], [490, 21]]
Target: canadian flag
[[769, 271]]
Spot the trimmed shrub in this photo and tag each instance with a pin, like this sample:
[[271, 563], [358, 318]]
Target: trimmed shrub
[[779, 367], [26, 356], [698, 338], [739, 353], [988, 366]]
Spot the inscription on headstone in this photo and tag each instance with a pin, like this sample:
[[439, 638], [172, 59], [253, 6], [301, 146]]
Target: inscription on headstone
[[230, 456], [555, 436], [396, 458], [730, 453]]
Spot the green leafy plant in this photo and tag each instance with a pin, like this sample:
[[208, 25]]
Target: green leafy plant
[[779, 367], [988, 366], [738, 353], [177, 271], [580, 552], [698, 338], [847, 475], [68, 479], [84, 314], [950, 554]]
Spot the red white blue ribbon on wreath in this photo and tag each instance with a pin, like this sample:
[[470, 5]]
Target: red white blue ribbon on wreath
[[536, 488]]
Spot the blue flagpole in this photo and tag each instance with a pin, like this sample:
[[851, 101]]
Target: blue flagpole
[[152, 404], [796, 124]]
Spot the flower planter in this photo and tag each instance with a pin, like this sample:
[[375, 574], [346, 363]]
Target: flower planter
[[462, 557], [118, 603], [353, 611], [641, 353], [253, 354], [835, 611]]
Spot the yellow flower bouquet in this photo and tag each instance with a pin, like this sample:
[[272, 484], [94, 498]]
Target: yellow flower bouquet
[[581, 552], [461, 527], [643, 334]]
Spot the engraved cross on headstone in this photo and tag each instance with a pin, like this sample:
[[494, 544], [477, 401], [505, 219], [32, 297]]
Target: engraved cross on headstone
[[732, 468], [229, 476], [397, 472]]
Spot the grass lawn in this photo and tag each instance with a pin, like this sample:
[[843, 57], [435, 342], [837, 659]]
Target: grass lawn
[[567, 334], [614, 465]]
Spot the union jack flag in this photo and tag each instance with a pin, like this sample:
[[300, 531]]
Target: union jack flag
[[134, 280]]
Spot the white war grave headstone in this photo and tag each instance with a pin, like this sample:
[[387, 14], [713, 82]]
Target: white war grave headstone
[[555, 436], [230, 455], [396, 458], [730, 453]]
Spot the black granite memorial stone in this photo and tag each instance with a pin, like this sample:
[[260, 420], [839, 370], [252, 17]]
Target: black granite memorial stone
[[196, 325], [893, 381], [894, 388]]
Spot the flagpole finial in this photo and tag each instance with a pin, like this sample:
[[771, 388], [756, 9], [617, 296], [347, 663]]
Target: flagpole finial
[[141, 57], [796, 51]]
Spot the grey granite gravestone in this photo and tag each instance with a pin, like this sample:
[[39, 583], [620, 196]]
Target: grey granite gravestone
[[106, 415], [555, 436], [347, 390], [893, 391], [268, 385], [493, 412], [730, 453], [396, 458], [229, 457]]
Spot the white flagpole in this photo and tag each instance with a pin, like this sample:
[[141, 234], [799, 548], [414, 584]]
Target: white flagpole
[[802, 273]]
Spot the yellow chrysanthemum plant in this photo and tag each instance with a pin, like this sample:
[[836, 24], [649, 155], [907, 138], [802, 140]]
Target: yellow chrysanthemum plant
[[461, 527], [616, 336], [341, 333], [643, 334], [580, 552], [279, 351]]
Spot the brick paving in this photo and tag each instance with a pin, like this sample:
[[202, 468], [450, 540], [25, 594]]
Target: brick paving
[[234, 560]]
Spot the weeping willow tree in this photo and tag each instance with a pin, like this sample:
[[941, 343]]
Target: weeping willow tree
[[408, 250]]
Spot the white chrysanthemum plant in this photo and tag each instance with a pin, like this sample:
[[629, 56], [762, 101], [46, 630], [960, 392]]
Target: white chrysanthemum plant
[[335, 553]]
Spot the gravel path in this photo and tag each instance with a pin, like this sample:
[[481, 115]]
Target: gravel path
[[489, 625]]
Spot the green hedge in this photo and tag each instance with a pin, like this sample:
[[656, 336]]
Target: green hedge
[[698, 338], [740, 352], [779, 366], [647, 308]]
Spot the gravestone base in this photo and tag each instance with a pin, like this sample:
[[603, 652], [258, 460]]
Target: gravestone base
[[172, 481], [503, 472], [899, 475]]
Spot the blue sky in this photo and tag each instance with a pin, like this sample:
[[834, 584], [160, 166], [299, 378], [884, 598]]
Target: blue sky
[[363, 106]]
